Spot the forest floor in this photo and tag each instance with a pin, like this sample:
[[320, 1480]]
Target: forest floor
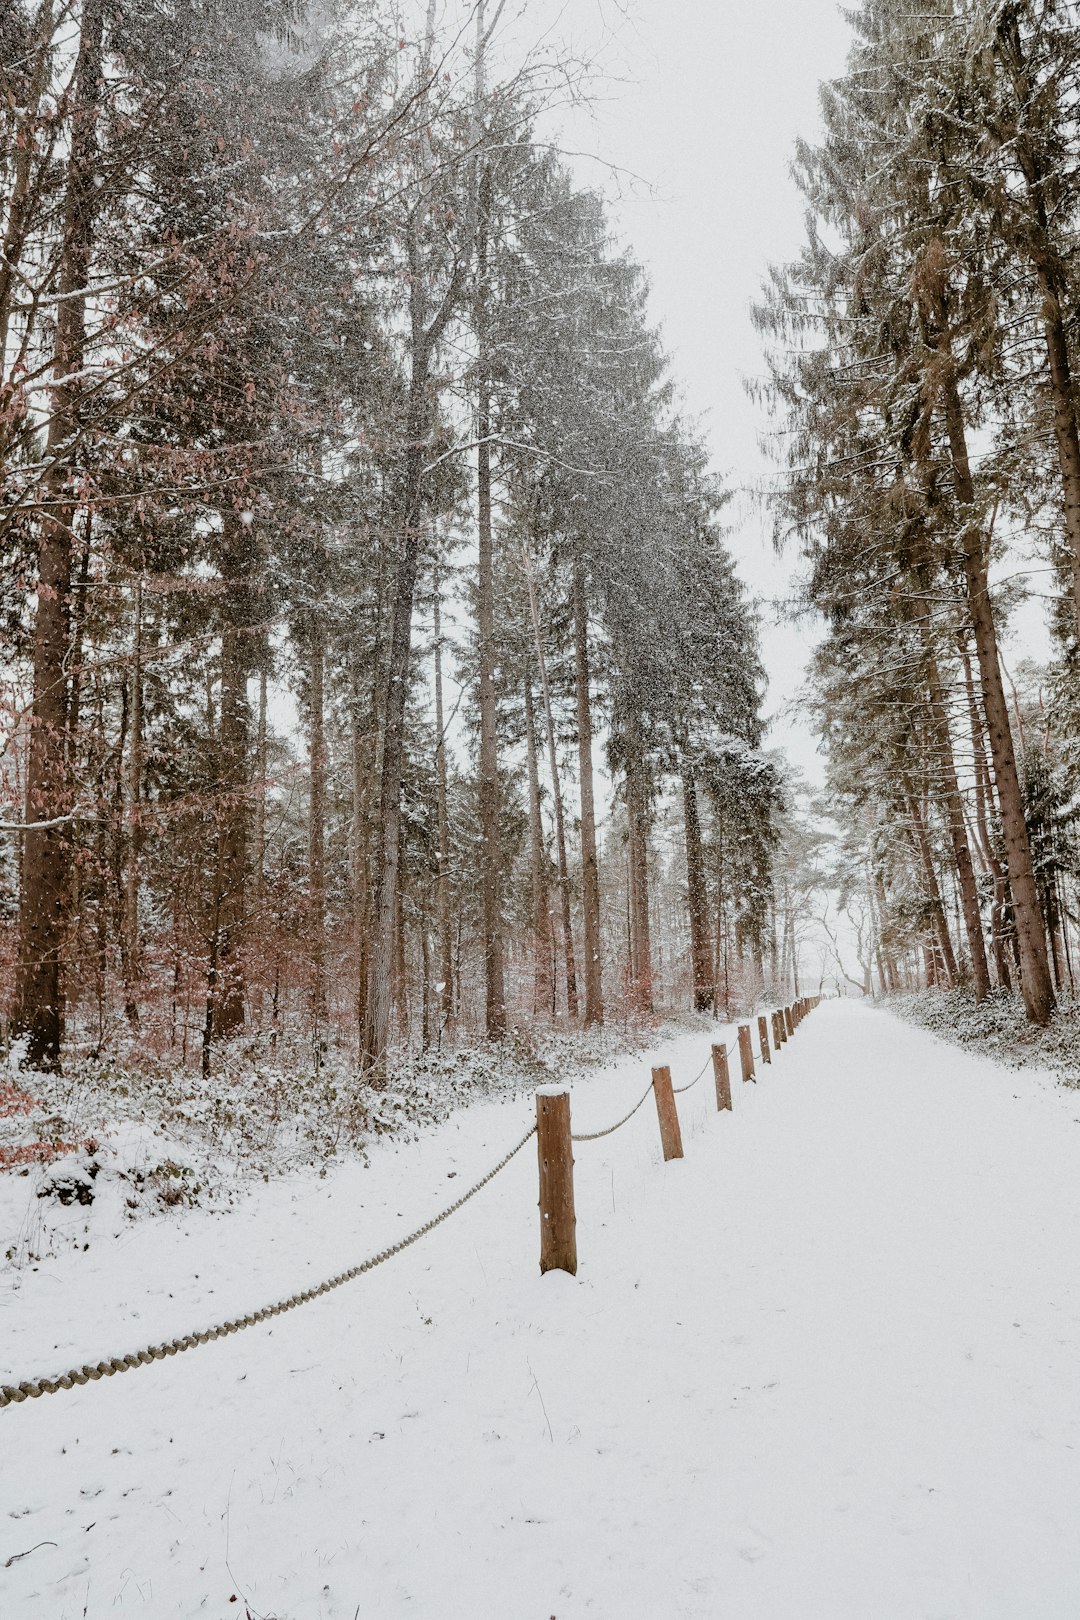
[[823, 1368]]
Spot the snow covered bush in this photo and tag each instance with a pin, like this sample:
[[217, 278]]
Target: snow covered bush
[[998, 1028]]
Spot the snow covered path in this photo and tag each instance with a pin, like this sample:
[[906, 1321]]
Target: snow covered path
[[825, 1368]]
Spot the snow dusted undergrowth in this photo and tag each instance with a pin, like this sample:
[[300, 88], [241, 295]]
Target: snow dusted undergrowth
[[999, 1029], [822, 1369], [111, 1141]]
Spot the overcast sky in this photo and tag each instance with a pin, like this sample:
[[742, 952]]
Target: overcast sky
[[714, 94], [704, 104]]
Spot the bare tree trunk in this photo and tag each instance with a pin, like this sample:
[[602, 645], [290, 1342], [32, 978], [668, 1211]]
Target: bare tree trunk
[[890, 976], [317, 828], [490, 835], [358, 865], [259, 836], [983, 798], [641, 975], [38, 1013], [696, 896], [590, 869], [950, 791], [400, 982], [1053, 287], [23, 147], [1038, 991], [933, 891], [442, 895], [540, 893], [381, 932], [229, 903], [557, 800], [134, 782], [427, 326]]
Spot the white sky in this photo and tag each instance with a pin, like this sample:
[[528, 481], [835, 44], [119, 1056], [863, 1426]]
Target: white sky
[[713, 95]]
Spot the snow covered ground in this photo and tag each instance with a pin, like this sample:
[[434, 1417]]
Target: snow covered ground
[[825, 1368]]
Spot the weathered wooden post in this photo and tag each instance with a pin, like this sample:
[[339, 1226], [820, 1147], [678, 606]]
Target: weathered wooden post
[[777, 1031], [670, 1134], [723, 1079], [763, 1035], [789, 1021], [558, 1223], [746, 1053]]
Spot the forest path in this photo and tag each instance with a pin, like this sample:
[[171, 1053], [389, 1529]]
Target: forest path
[[825, 1368]]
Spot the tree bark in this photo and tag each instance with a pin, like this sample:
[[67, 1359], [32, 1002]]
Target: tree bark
[[1037, 241], [490, 834], [950, 791], [317, 826], [641, 977], [557, 800], [933, 891], [442, 812], [1036, 986], [38, 1014], [227, 971], [590, 869], [696, 896], [134, 784], [381, 931], [540, 893]]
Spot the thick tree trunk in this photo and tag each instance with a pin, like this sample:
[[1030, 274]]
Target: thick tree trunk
[[134, 796], [540, 891], [983, 800], [38, 1013], [590, 869], [317, 827], [226, 971], [557, 800], [381, 932], [1047, 259], [25, 184], [637, 817], [358, 861], [490, 835], [1036, 986], [1065, 428], [258, 851], [950, 792], [933, 890], [442, 811], [888, 959], [696, 896]]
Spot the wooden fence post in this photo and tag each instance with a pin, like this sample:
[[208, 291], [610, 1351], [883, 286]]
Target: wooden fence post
[[777, 1031], [558, 1224], [763, 1033], [670, 1134], [723, 1079], [789, 1021], [746, 1053]]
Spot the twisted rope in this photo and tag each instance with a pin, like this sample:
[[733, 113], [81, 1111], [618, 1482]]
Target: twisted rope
[[10, 1394], [594, 1136], [677, 1090]]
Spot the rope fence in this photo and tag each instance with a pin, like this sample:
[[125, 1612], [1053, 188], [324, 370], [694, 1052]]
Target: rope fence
[[556, 1139], [91, 1372], [558, 1241]]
